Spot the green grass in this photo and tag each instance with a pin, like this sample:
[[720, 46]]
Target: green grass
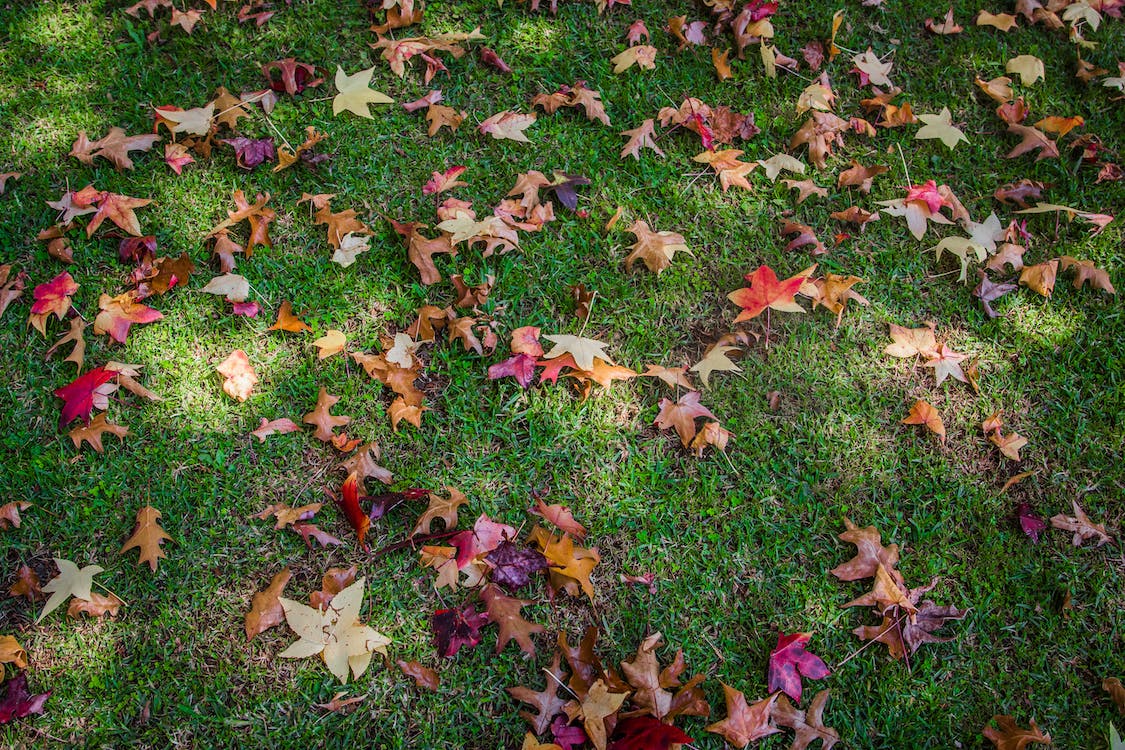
[[741, 547]]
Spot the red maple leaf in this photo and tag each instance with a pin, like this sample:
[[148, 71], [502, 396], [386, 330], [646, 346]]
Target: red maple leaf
[[454, 628], [765, 291], [789, 662], [928, 193], [645, 733], [79, 395], [348, 503], [519, 366]]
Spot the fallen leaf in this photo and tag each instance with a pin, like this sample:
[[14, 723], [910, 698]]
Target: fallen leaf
[[265, 609], [355, 95], [147, 536], [1006, 735], [809, 724], [424, 677], [1084, 529], [508, 125], [320, 417], [93, 432], [239, 377], [940, 127], [681, 415], [789, 662], [69, 582], [1028, 67], [924, 414], [744, 723]]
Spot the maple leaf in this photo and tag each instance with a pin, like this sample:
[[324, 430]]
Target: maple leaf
[[1032, 139], [946, 26], [924, 414], [147, 536], [512, 566], [508, 125], [946, 363], [681, 415], [10, 513], [439, 116], [257, 215], [51, 298], [571, 566], [1028, 67], [583, 350], [250, 152], [870, 554], [808, 724], [641, 55], [1001, 21], [11, 652], [118, 314], [335, 633], [265, 608], [332, 342], [454, 628], [656, 249], [320, 417], [598, 704], [69, 582], [645, 733], [11, 289], [805, 189], [789, 661], [96, 606], [1040, 277], [744, 723], [547, 701], [939, 126], [287, 515], [355, 94], [79, 395], [1007, 735], [765, 291], [909, 342], [92, 433], [17, 702], [439, 182], [873, 69], [1083, 528], [715, 360], [649, 682], [114, 147], [191, 121]]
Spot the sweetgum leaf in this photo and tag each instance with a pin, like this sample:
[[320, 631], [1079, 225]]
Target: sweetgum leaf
[[18, 702]]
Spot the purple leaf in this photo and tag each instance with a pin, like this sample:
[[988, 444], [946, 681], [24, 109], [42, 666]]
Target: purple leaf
[[512, 566], [492, 60], [252, 152], [521, 367], [789, 662], [565, 188], [566, 736], [454, 628], [1029, 522], [18, 703], [645, 733]]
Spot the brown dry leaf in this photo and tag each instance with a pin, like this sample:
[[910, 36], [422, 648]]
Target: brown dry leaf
[[505, 612], [1060, 125], [333, 582], [945, 26], [559, 516], [860, 176], [287, 515], [998, 89], [440, 116], [1007, 736], [287, 321], [440, 507], [239, 376], [424, 677], [571, 565], [96, 606], [1083, 528], [1001, 21], [1084, 271], [805, 189], [924, 414], [341, 705], [279, 426], [547, 702], [855, 215], [712, 434], [363, 465], [147, 536], [641, 55], [745, 723], [681, 415], [27, 585], [508, 125], [1040, 277], [1116, 690], [1032, 139], [672, 376], [640, 137], [320, 417], [598, 703], [11, 652], [809, 724], [1009, 445], [870, 554], [265, 610], [655, 249], [946, 363], [10, 513], [721, 63], [92, 433], [11, 289]]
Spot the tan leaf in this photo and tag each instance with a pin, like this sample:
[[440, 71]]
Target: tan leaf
[[147, 536], [11, 652], [239, 376], [92, 433], [1083, 528], [424, 677], [95, 606], [924, 414], [332, 342], [440, 507], [320, 417], [1001, 21], [278, 426], [1028, 67], [1006, 735], [641, 55], [508, 125], [1040, 277]]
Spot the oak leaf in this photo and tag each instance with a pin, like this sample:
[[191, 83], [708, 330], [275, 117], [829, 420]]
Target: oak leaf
[[320, 417], [505, 612], [287, 321], [808, 724], [92, 433], [10, 513], [547, 702], [1084, 271], [640, 137], [870, 554], [147, 536], [745, 723], [1032, 139], [1084, 529], [596, 706], [440, 507], [1007, 735]]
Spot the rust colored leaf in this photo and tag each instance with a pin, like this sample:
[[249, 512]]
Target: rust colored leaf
[[265, 610]]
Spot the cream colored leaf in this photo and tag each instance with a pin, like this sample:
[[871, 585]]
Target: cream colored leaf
[[716, 361], [940, 126], [641, 55], [351, 245], [582, 349], [778, 162], [355, 94], [332, 342], [230, 285], [876, 70], [191, 121], [1028, 67], [71, 581]]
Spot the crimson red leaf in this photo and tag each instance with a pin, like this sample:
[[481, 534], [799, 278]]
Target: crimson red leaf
[[789, 662], [512, 566], [18, 703], [645, 733], [521, 367], [79, 395], [454, 628], [348, 503], [1031, 523], [492, 60], [566, 736], [137, 250]]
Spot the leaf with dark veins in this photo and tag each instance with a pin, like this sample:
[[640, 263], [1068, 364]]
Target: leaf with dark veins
[[988, 291], [513, 566], [454, 628]]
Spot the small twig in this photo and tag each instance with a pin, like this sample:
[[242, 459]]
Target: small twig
[[562, 684], [273, 127], [904, 167], [115, 596], [589, 311]]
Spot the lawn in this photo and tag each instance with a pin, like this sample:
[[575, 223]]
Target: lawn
[[739, 543]]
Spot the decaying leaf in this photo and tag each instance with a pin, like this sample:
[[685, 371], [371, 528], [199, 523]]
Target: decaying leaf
[[265, 608], [1083, 528]]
